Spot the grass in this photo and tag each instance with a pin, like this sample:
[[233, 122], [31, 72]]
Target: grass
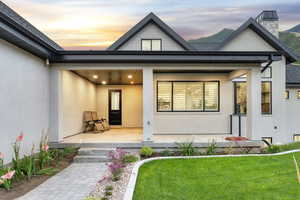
[[235, 178], [284, 147]]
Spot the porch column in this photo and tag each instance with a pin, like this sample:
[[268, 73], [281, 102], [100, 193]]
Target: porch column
[[147, 103], [253, 103], [55, 120]]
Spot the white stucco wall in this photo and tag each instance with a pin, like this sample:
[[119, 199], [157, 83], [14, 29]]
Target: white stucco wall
[[24, 102], [293, 110], [132, 103], [196, 122], [151, 31], [79, 95], [248, 41]]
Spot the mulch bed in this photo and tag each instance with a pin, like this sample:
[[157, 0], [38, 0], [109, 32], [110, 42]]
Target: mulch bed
[[22, 187]]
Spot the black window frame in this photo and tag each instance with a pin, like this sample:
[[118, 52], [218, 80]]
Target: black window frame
[[264, 139], [172, 97], [151, 43], [287, 94], [294, 137], [235, 99]]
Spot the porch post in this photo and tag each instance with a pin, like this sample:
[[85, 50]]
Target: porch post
[[55, 119], [147, 104], [253, 103]]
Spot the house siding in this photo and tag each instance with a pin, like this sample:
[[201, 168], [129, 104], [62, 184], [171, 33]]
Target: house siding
[[132, 104], [79, 95], [151, 31], [24, 102], [293, 110]]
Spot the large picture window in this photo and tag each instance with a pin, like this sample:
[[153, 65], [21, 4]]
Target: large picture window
[[241, 97], [184, 96]]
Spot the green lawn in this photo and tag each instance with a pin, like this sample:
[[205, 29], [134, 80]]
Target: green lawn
[[237, 178]]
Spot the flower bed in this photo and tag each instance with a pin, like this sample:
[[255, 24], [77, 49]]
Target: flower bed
[[26, 173], [114, 182]]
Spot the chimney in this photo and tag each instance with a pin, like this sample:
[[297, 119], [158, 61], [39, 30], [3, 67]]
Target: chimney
[[270, 20]]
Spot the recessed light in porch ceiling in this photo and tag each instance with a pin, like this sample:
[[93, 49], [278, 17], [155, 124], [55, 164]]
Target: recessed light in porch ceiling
[[129, 76], [131, 82], [103, 82], [95, 76]]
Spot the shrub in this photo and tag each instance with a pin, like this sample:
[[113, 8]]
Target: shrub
[[129, 158], [273, 149], [69, 150], [108, 193], [117, 155], [212, 147], [146, 151], [115, 169], [186, 149], [166, 152], [109, 188]]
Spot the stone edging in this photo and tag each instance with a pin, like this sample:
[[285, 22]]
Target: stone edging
[[133, 178]]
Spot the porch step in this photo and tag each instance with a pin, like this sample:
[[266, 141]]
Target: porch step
[[90, 159], [92, 155], [95, 151]]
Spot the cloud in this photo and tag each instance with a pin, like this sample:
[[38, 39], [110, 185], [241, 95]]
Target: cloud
[[95, 24]]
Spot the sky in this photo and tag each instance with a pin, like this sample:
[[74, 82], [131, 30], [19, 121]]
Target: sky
[[96, 24]]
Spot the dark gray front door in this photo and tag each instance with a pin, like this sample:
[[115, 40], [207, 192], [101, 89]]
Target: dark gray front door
[[115, 107]]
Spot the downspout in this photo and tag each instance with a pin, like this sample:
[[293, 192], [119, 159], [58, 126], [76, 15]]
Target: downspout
[[271, 59]]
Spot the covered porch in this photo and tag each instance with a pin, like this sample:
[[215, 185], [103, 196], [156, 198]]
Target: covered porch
[[199, 116]]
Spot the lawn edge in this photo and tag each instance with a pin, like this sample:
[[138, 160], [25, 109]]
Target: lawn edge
[[134, 174]]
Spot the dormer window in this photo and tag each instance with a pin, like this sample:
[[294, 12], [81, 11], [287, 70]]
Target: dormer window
[[151, 44]]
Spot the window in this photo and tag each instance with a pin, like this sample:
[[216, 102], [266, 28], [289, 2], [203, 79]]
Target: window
[[287, 94], [182, 96], [267, 139], [241, 97], [267, 73], [298, 94], [266, 98], [297, 138], [164, 96], [151, 44]]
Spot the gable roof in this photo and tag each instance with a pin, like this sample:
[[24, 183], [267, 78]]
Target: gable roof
[[150, 18], [266, 35], [11, 18]]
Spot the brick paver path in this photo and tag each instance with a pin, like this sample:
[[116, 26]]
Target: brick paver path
[[73, 183]]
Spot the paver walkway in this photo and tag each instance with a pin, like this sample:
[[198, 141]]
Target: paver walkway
[[73, 183]]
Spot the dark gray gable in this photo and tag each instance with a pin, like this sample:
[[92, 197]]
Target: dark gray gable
[[266, 35], [293, 75], [151, 18]]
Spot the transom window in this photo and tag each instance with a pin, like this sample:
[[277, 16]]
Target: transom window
[[240, 99], [188, 96], [151, 45]]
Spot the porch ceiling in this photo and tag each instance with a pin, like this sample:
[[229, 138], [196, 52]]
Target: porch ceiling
[[112, 77]]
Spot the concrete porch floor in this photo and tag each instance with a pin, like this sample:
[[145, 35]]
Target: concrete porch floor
[[134, 135]]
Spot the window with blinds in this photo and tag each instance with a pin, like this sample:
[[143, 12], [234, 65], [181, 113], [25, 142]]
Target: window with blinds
[[188, 96], [164, 96]]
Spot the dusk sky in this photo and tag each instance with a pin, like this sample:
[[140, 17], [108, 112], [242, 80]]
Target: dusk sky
[[95, 24]]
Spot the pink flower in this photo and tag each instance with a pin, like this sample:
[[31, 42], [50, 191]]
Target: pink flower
[[1, 156], [8, 175], [20, 137], [45, 147]]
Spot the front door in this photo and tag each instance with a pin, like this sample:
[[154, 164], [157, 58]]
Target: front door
[[115, 107]]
